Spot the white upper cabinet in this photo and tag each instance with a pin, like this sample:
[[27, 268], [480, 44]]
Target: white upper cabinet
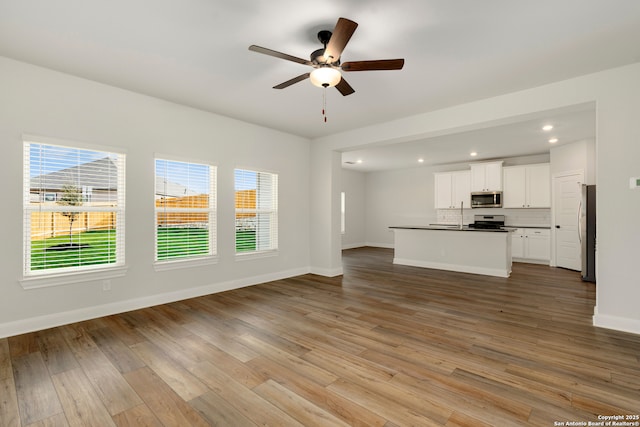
[[443, 191], [527, 186], [486, 176], [514, 193], [461, 189], [452, 189]]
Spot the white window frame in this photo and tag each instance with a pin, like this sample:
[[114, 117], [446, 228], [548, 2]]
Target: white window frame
[[64, 275], [189, 261], [272, 248]]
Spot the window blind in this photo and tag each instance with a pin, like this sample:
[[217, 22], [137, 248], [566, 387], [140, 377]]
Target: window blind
[[74, 204], [185, 210], [256, 200]]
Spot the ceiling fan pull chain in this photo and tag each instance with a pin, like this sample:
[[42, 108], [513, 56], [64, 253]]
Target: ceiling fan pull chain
[[324, 103]]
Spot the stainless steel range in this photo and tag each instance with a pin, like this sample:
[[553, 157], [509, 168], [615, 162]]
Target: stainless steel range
[[488, 222]]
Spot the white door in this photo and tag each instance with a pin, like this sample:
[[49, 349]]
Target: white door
[[567, 195]]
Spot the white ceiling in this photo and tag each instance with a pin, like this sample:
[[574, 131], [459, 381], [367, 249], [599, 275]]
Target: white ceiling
[[518, 137], [195, 52]]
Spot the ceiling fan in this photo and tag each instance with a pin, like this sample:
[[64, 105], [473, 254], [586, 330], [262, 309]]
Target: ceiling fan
[[326, 61]]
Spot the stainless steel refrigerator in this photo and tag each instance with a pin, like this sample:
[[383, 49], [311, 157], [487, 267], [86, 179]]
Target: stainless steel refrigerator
[[587, 232]]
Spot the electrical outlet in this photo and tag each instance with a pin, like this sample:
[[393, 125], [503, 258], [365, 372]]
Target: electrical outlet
[[106, 285]]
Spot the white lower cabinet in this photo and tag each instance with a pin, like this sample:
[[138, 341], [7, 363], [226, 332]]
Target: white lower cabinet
[[531, 245], [517, 243]]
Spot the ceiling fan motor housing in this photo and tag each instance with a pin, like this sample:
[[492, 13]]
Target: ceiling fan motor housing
[[324, 36], [317, 57]]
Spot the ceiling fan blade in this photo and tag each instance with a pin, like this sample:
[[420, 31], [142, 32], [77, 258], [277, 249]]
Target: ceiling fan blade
[[341, 34], [292, 81], [344, 88], [277, 54], [381, 64]]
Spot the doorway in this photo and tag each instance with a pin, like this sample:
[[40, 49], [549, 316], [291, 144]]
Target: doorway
[[566, 202]]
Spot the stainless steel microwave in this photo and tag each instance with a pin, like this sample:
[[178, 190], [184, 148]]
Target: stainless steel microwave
[[486, 199]]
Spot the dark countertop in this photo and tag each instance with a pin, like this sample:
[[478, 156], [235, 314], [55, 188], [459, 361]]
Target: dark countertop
[[544, 227], [450, 227]]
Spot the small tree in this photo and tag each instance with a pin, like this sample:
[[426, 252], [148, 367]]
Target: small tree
[[71, 196]]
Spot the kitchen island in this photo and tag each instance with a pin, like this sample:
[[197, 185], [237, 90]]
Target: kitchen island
[[466, 249]]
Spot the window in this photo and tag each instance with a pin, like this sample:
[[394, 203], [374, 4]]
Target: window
[[73, 207], [256, 211], [185, 204]]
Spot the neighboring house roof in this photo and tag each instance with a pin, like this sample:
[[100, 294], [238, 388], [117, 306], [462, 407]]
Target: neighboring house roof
[[101, 174], [172, 189]]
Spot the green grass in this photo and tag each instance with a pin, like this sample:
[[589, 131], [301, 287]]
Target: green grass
[[172, 243], [245, 241], [182, 242], [101, 250]]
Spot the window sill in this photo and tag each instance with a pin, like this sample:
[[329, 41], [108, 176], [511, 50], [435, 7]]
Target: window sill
[[184, 263], [246, 256], [61, 279]]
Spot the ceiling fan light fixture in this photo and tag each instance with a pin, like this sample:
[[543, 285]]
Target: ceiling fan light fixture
[[325, 77]]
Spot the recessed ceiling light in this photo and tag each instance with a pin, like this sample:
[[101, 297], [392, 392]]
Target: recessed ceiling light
[[547, 127], [553, 140], [421, 160], [359, 161], [473, 154]]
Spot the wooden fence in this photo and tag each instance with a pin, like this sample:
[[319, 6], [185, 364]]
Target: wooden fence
[[53, 224]]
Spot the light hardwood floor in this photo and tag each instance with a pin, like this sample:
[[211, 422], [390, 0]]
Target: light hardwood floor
[[383, 345]]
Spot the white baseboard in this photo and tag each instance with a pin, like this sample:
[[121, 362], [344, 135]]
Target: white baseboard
[[354, 245], [380, 245], [622, 324], [57, 319], [326, 271], [531, 261]]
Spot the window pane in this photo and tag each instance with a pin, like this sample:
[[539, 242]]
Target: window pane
[[182, 235], [74, 208], [184, 210], [79, 177], [256, 211]]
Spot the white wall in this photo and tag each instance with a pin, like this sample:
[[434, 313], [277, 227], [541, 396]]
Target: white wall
[[353, 185], [397, 197], [42, 102], [579, 155], [616, 93]]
